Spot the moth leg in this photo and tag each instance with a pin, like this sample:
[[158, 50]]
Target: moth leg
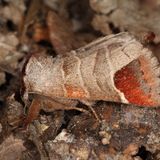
[[50, 105], [94, 113], [47, 105], [89, 104], [78, 109], [33, 111]]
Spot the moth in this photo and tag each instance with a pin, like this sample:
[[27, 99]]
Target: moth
[[115, 68]]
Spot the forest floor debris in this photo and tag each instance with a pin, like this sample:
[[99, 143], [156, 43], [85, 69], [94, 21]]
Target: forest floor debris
[[52, 27]]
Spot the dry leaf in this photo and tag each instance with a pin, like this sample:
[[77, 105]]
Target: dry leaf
[[11, 148], [61, 34], [137, 17], [13, 11], [9, 55], [2, 78]]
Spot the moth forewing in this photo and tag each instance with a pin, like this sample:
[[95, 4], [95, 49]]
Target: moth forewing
[[100, 70]]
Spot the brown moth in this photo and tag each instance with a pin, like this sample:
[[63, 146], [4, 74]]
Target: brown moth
[[114, 68]]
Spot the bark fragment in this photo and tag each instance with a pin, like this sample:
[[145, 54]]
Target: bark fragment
[[129, 128]]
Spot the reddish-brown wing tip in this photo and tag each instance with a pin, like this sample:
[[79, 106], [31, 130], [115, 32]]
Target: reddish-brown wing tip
[[139, 81]]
